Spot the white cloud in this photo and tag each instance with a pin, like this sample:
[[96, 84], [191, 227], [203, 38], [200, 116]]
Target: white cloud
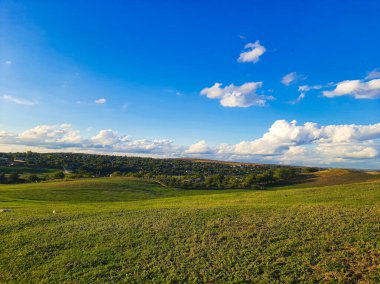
[[107, 137], [292, 77], [293, 153], [200, 147], [109, 140], [367, 88], [306, 88], [298, 99], [51, 136], [349, 133], [64, 137], [253, 53], [310, 144], [18, 101], [284, 142], [346, 150], [7, 62], [282, 135], [359, 89], [374, 74], [237, 96], [7, 137], [101, 101]]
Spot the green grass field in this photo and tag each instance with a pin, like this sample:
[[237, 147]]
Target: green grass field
[[126, 230]]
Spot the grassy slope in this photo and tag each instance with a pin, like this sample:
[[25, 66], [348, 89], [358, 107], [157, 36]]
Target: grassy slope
[[130, 231], [338, 176]]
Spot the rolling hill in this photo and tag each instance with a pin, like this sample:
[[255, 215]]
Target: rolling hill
[[133, 231]]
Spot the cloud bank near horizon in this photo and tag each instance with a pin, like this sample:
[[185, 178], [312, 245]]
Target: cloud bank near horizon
[[284, 142]]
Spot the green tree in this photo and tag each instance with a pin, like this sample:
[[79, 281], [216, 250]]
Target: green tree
[[33, 178], [310, 170], [59, 175], [249, 180], [14, 178], [265, 177], [284, 173], [116, 174], [2, 178]]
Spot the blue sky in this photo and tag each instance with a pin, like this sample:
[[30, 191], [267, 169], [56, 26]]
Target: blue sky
[[139, 72]]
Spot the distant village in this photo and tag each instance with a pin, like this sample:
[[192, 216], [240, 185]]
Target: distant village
[[11, 162]]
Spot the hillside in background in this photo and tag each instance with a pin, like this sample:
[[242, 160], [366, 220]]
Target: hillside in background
[[185, 173]]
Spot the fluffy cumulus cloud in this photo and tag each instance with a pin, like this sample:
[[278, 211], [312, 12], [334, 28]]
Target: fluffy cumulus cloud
[[53, 136], [359, 89], [237, 96], [108, 137], [312, 144], [253, 52], [200, 147], [284, 142], [280, 136], [64, 137], [367, 88], [110, 140], [347, 150], [283, 134], [291, 78]]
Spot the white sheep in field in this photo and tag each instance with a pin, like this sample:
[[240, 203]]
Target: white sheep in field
[[54, 212]]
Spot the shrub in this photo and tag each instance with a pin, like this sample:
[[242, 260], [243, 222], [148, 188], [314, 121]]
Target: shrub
[[59, 175], [116, 174], [14, 178], [33, 178], [284, 173]]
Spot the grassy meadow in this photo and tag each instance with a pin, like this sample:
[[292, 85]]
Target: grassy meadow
[[132, 231]]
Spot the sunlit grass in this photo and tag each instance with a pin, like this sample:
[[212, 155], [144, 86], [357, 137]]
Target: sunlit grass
[[130, 231]]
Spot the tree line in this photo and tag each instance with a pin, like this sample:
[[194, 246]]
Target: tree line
[[184, 173]]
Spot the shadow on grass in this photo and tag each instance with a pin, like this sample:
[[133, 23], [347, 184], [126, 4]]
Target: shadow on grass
[[303, 180]]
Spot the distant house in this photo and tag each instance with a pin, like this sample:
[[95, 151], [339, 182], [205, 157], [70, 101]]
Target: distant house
[[18, 161]]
